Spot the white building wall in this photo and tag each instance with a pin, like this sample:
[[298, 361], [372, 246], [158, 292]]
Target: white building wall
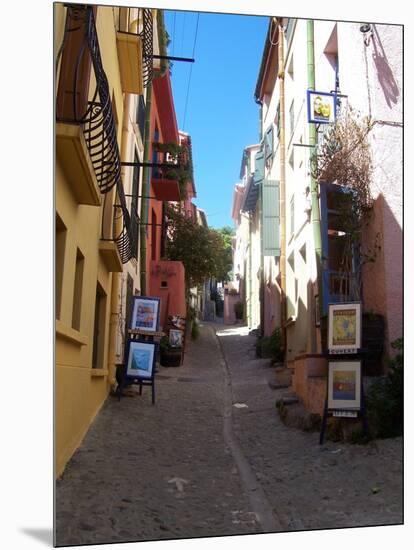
[[299, 237], [372, 77]]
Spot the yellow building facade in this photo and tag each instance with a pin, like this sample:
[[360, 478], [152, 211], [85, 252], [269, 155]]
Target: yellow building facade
[[101, 74]]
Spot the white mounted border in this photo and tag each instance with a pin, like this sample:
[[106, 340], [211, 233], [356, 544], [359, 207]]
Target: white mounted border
[[344, 327]]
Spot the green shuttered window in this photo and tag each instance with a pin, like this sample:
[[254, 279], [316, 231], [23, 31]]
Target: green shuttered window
[[269, 142], [271, 218], [259, 167]]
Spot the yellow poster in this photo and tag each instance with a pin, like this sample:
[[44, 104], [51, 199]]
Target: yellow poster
[[344, 327]]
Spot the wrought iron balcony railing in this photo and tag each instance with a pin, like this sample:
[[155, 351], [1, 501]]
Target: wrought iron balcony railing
[[147, 44], [93, 111], [80, 52], [123, 228]]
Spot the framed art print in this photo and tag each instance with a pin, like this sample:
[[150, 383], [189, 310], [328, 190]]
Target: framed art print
[[141, 359], [344, 327], [145, 313], [344, 385], [176, 338]]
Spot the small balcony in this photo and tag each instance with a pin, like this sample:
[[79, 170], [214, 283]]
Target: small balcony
[[130, 62], [165, 189], [135, 50], [119, 231], [86, 142], [73, 155], [170, 178]]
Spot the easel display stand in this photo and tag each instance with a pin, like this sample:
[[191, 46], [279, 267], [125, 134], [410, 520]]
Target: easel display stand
[[144, 337], [344, 389], [339, 412]]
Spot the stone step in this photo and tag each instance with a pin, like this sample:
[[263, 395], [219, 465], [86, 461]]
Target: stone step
[[290, 399], [278, 386]]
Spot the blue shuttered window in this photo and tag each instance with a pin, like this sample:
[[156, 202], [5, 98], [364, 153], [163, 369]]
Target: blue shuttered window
[[271, 218], [337, 284]]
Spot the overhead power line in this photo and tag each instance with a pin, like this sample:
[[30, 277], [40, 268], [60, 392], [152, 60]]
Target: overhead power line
[[191, 72]]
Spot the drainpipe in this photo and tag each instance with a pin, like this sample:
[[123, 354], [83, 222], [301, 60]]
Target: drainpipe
[[259, 217], [113, 324], [315, 211], [262, 274], [145, 192], [282, 152], [250, 271]]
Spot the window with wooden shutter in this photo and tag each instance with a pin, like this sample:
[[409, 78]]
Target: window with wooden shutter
[[254, 183], [269, 142], [128, 309], [270, 218], [292, 118], [259, 167], [134, 207], [277, 120], [338, 282]]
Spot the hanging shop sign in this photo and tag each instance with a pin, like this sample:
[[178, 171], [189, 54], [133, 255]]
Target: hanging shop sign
[[321, 107], [344, 327]]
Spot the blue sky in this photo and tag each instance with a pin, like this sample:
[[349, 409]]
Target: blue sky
[[222, 116]]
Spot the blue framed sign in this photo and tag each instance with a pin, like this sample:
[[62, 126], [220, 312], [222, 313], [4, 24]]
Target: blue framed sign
[[145, 313], [321, 107]]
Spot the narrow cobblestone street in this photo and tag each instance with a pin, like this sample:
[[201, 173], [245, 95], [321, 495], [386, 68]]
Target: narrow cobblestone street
[[212, 458]]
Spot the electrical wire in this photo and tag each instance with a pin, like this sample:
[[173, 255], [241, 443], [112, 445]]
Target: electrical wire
[[191, 72]]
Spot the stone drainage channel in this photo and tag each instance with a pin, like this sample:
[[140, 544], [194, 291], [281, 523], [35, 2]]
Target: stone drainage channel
[[259, 502]]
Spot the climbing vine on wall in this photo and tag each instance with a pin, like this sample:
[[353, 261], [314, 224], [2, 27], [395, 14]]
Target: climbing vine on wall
[[343, 157]]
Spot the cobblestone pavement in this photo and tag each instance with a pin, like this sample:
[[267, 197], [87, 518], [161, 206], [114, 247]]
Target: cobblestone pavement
[[309, 486], [212, 458]]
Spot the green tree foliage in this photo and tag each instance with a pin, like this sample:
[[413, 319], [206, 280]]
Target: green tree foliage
[[385, 399], [201, 249], [227, 234]]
